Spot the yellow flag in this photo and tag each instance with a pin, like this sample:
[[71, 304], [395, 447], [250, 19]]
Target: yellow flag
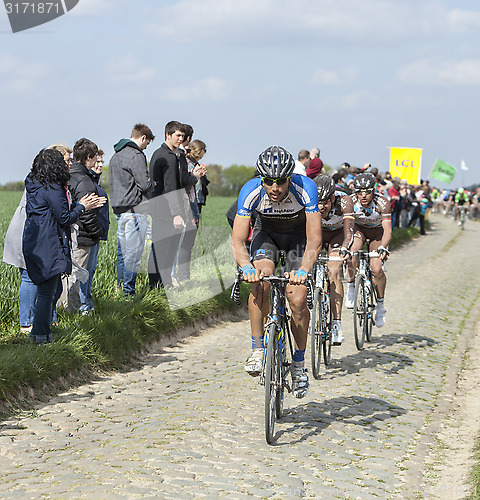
[[406, 163]]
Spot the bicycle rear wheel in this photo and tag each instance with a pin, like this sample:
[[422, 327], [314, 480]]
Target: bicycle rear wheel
[[326, 324], [371, 300], [316, 332], [271, 373], [360, 310]]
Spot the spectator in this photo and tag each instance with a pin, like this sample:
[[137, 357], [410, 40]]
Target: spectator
[[314, 153], [169, 214], [315, 168], [46, 236], [405, 201], [420, 204], [80, 184], [86, 300], [302, 163], [195, 152], [130, 186], [393, 193], [13, 255]]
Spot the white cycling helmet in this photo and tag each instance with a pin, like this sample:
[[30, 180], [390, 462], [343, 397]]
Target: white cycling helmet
[[364, 180], [275, 162]]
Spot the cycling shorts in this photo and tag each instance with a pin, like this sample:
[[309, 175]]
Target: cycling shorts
[[332, 239], [268, 244], [368, 233]]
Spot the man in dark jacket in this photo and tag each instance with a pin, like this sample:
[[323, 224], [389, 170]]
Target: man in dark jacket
[[89, 227], [130, 186], [169, 204]]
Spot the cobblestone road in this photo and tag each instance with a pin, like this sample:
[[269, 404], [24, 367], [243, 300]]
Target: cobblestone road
[[190, 422]]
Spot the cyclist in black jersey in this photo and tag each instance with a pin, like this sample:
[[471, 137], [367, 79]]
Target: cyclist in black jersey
[[287, 219]]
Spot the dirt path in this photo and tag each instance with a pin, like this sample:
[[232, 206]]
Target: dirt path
[[394, 420]]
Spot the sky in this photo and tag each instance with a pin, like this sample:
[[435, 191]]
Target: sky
[[351, 78]]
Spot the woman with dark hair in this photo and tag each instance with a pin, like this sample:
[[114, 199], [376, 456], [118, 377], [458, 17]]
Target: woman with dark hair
[[46, 236]]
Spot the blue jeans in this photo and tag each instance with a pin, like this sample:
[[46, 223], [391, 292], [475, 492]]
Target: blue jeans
[[131, 233], [86, 302], [48, 293], [27, 295]]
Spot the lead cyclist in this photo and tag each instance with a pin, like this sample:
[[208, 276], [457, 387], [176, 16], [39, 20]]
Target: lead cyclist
[[287, 219]]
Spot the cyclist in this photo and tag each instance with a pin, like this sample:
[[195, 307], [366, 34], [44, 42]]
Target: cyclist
[[336, 209], [461, 200], [372, 222], [287, 219]]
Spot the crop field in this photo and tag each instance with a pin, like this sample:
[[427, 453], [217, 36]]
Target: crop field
[[212, 264]]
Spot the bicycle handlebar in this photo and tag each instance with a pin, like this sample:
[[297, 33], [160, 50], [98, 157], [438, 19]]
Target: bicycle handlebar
[[323, 258]]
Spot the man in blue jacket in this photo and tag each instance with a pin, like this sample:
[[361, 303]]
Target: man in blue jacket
[[130, 186]]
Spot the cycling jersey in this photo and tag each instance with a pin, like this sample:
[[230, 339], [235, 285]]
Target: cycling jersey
[[372, 216], [461, 199], [342, 208], [285, 216]]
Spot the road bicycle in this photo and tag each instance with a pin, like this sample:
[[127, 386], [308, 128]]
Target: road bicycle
[[365, 299], [463, 216], [321, 315], [279, 346]]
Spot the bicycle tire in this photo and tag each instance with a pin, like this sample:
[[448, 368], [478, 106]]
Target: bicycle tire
[[281, 367], [371, 303], [360, 310], [326, 324], [270, 384], [315, 333]]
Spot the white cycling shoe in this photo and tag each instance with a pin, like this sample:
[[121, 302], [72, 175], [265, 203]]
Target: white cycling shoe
[[337, 335], [254, 363], [299, 379], [350, 297], [380, 314]]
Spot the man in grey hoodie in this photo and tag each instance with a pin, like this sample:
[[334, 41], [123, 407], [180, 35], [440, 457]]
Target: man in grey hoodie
[[130, 186]]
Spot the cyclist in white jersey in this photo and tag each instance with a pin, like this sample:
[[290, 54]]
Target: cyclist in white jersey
[[336, 209], [286, 206], [372, 222]]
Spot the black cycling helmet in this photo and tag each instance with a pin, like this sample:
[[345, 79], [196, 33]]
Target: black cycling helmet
[[325, 187], [275, 162], [365, 180]]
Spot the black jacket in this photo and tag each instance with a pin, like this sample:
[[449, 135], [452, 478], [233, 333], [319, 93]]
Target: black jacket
[[80, 184], [169, 173]]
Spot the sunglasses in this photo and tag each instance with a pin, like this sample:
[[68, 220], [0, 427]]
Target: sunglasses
[[280, 181], [364, 191]]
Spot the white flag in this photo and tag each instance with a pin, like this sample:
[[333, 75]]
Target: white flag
[[463, 166]]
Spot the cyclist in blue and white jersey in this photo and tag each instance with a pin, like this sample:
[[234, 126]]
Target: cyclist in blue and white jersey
[[288, 219], [373, 222], [336, 209]]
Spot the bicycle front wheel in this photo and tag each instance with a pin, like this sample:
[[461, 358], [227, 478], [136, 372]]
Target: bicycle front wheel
[[360, 312], [271, 382], [326, 325], [316, 333]]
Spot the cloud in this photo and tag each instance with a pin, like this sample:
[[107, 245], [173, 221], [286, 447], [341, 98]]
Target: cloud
[[19, 75], [128, 69], [434, 73], [324, 76], [300, 22], [364, 99], [207, 89]]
